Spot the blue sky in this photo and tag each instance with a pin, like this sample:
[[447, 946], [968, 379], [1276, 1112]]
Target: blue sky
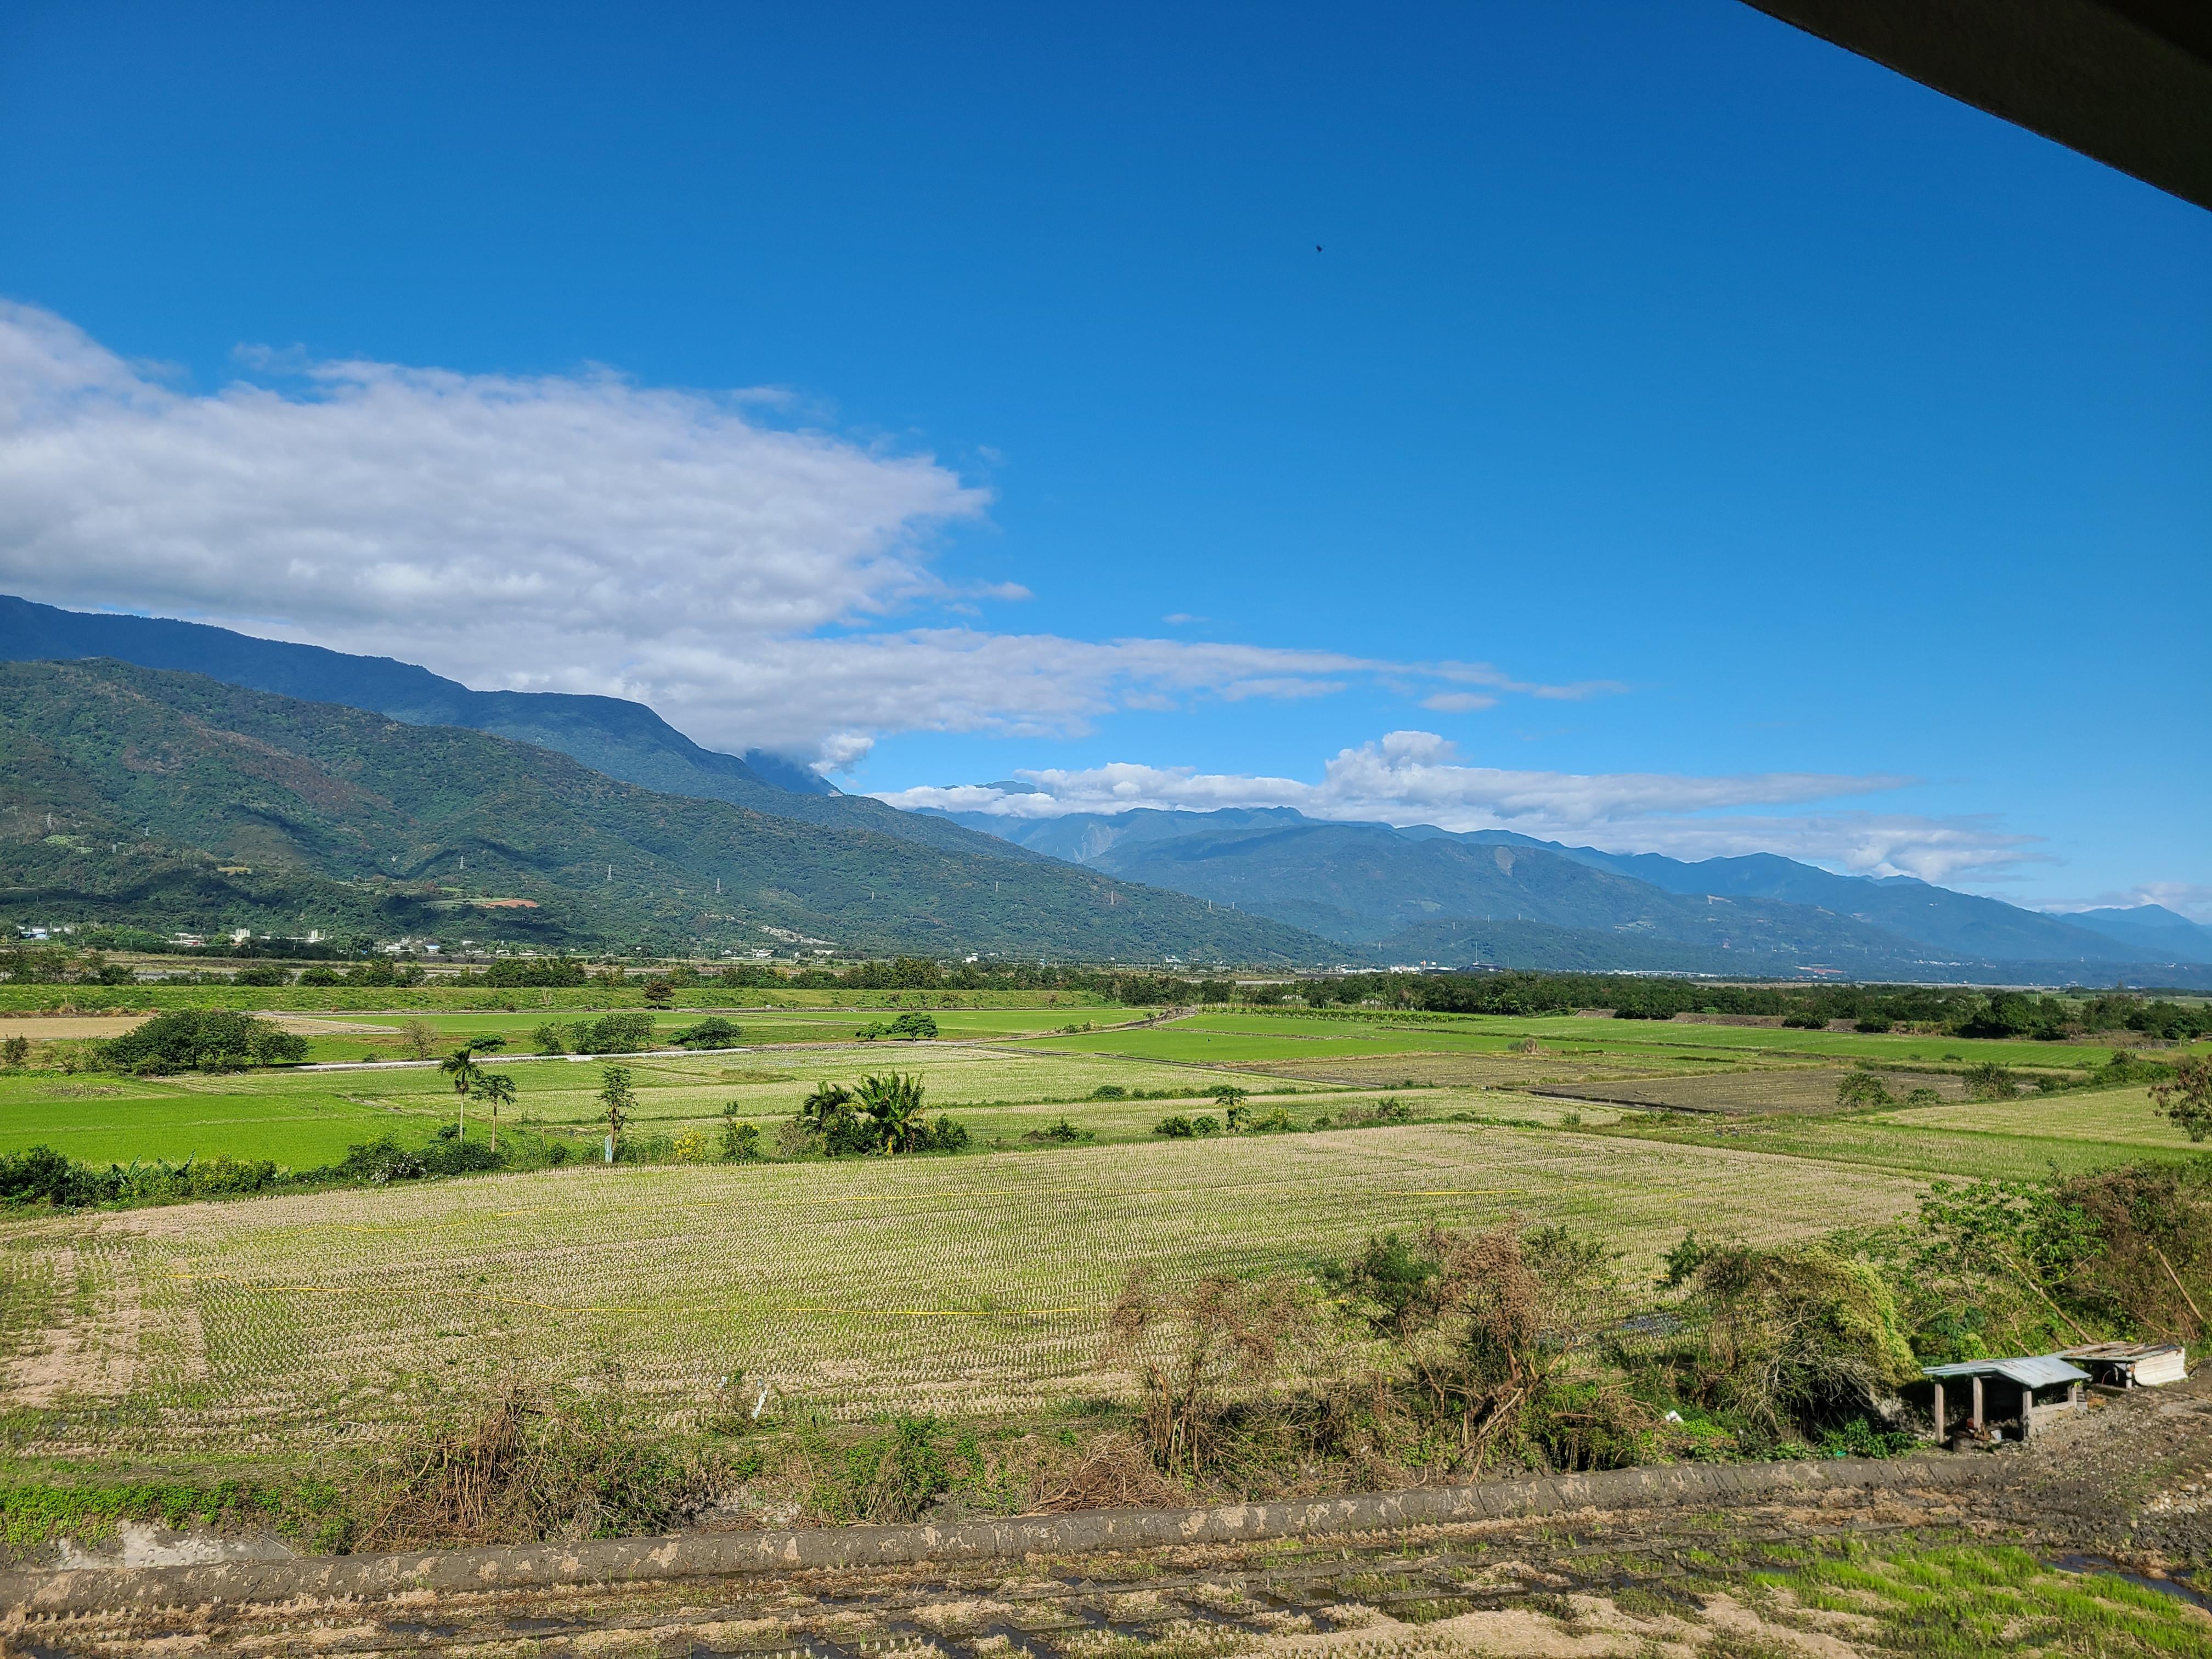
[[1708, 440]]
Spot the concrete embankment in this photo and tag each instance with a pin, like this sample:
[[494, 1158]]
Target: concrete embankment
[[33, 1596]]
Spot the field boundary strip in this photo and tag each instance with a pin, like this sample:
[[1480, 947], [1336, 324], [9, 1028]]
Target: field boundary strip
[[65, 1593]]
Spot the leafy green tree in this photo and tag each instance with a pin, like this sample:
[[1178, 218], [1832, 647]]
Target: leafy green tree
[[659, 992], [713, 1032], [617, 1102], [2187, 1100]]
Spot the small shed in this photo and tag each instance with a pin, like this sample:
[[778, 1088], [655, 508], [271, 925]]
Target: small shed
[[2030, 1374], [2132, 1364]]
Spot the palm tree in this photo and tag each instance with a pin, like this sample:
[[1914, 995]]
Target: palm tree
[[894, 1101], [823, 1103], [496, 1087], [461, 1067]]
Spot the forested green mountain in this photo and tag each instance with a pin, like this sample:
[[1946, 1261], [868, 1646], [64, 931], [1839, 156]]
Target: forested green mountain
[[625, 740], [176, 800]]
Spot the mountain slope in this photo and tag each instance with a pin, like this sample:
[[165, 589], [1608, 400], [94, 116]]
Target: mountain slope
[[1958, 924], [625, 740], [1364, 883], [1422, 894], [210, 805], [2150, 930]]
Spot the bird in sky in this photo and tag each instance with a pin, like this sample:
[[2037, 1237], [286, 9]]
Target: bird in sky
[[1316, 247]]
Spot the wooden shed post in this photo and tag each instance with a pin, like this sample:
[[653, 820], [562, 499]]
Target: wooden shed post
[[2026, 1412], [1939, 1411], [1976, 1419]]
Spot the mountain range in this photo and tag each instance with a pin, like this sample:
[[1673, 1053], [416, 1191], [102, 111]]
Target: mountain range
[[143, 796], [1300, 888], [623, 739], [1423, 894]]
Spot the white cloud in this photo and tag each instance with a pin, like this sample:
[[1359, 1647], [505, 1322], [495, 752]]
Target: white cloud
[[1417, 777], [565, 532], [1458, 702]]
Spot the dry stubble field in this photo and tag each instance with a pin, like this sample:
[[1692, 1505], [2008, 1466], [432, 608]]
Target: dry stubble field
[[276, 1329]]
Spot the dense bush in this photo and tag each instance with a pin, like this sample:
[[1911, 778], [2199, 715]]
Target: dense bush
[[202, 1039], [713, 1032], [908, 1027], [534, 973], [883, 1114]]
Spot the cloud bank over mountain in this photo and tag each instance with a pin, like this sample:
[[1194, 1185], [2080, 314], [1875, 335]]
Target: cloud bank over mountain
[[571, 534], [1417, 777]]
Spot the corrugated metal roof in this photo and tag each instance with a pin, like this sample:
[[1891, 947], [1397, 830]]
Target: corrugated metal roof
[[2041, 1371]]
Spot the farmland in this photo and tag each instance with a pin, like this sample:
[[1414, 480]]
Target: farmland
[[969, 1285], [266, 1333]]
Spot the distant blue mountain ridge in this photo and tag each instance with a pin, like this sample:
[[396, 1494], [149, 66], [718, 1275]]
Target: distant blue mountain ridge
[[1420, 889]]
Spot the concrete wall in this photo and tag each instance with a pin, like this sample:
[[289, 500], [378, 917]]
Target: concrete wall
[[319, 1579]]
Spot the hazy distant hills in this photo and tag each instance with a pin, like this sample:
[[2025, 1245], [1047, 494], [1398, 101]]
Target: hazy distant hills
[[625, 740], [1424, 894], [2152, 929], [175, 800]]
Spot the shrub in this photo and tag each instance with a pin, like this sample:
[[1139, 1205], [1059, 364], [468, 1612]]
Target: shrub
[[1195, 1349], [320, 976], [690, 1147], [533, 1462], [1206, 1124], [205, 1039], [2187, 1100], [713, 1032], [548, 1039], [908, 1027], [43, 1176], [1063, 1132], [381, 1161], [1797, 1338], [1860, 1090], [1177, 1127], [1109, 1091], [514, 973], [1924, 1096], [611, 1034], [740, 1140], [263, 974], [16, 1052], [1873, 1023], [1991, 1081], [1802, 1021], [1486, 1331]]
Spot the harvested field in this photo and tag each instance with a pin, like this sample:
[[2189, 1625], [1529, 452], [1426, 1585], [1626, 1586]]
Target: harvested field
[[1454, 1071], [55, 1028], [976, 1286], [1798, 1090], [2118, 1116]]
